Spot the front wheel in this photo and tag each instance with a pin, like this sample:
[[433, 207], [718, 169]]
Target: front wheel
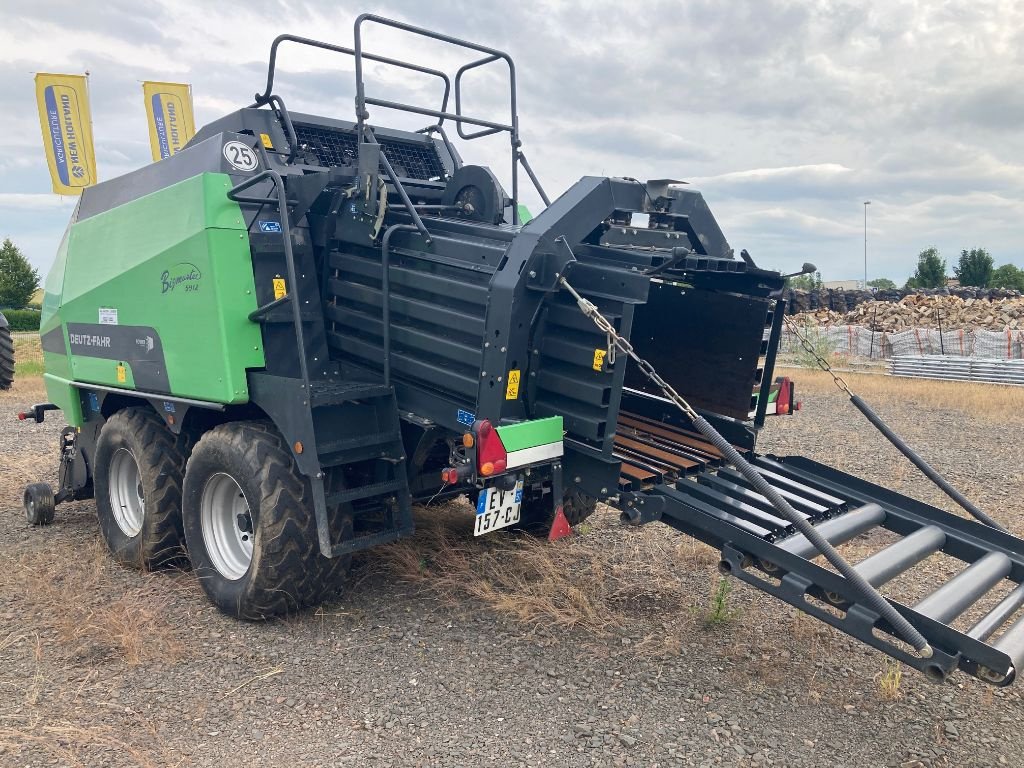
[[249, 524]]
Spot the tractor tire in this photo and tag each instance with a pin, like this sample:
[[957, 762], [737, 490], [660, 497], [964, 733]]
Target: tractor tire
[[6, 358], [137, 477], [250, 526], [537, 517]]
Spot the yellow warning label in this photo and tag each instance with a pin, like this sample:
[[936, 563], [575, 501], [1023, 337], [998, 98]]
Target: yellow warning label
[[599, 355], [122, 374], [512, 390], [280, 289], [265, 138]]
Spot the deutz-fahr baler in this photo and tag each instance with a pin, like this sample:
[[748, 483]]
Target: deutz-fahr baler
[[270, 345]]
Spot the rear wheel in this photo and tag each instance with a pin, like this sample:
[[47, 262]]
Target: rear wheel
[[250, 526], [6, 358], [137, 478], [39, 504], [537, 516]]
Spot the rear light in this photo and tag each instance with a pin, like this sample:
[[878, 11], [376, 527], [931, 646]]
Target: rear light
[[450, 476], [491, 458]]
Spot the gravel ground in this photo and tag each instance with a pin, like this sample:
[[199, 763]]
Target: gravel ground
[[103, 666]]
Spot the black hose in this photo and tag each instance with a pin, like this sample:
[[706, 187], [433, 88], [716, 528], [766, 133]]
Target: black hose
[[878, 604], [921, 464]]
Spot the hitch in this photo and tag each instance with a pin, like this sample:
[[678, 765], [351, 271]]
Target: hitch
[[638, 509], [37, 412]]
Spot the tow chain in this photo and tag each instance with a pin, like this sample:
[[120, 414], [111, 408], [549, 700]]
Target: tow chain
[[821, 361], [871, 596], [929, 471]]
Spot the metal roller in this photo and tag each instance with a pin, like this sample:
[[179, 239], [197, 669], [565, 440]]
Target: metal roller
[[838, 530], [963, 590], [994, 619], [886, 564]]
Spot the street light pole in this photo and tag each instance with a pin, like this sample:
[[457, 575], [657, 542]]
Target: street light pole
[[866, 203]]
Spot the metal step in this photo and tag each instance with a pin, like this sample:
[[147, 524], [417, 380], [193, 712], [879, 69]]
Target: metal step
[[350, 449], [335, 393], [364, 492], [718, 507]]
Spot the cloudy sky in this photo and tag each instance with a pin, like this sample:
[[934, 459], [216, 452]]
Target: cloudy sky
[[788, 115]]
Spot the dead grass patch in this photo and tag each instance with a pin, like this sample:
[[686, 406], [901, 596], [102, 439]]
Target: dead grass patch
[[989, 402], [603, 582], [74, 744], [77, 607]]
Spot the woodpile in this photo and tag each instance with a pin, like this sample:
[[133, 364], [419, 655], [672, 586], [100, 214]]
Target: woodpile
[[919, 311]]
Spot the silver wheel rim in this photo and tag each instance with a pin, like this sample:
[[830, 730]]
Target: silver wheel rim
[[224, 515], [125, 491]]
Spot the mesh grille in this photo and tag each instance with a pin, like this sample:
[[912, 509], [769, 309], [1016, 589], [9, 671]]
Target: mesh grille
[[335, 147]]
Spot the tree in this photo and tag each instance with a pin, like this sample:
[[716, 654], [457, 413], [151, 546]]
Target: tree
[[806, 282], [931, 270], [18, 279], [974, 268], [1008, 276], [882, 284]]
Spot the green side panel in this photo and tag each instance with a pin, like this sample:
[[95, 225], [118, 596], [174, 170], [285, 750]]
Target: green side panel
[[176, 261], [66, 397], [525, 217], [528, 434]]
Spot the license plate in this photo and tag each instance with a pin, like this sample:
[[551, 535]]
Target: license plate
[[496, 509]]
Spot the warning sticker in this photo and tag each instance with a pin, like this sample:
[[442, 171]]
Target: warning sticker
[[265, 138], [512, 390], [599, 355], [122, 374], [108, 316], [280, 289]]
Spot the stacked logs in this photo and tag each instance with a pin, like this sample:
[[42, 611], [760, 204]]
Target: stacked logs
[[922, 311]]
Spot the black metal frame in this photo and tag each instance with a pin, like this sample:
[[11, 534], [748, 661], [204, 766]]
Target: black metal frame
[[489, 127]]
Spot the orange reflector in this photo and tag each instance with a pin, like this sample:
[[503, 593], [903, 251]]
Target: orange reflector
[[298, 447], [467, 440], [487, 469]]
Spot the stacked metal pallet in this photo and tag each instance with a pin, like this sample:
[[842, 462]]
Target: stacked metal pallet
[[958, 369]]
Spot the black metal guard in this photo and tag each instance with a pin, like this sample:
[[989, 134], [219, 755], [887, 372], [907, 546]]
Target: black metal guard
[[289, 257]]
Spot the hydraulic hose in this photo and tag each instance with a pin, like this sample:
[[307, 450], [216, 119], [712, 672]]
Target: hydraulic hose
[[921, 464]]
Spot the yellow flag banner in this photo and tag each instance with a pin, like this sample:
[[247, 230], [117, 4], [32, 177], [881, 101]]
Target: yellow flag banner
[[67, 131], [169, 112]]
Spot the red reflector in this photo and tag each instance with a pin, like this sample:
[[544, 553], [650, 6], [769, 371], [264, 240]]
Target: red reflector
[[22, 416], [491, 457]]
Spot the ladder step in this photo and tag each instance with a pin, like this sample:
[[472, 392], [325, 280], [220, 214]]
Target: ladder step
[[365, 491], [963, 590], [886, 564], [995, 618], [368, 540], [344, 392], [363, 441], [838, 530]]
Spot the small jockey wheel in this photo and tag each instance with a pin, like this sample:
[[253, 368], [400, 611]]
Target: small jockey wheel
[[39, 500]]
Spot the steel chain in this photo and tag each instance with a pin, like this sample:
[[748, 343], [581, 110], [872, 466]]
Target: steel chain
[[821, 361]]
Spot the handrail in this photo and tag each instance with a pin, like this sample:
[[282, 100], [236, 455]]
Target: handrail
[[289, 255], [491, 55]]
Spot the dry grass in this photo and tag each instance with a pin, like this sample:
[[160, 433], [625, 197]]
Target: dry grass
[[73, 744], [76, 605], [990, 402], [603, 581]]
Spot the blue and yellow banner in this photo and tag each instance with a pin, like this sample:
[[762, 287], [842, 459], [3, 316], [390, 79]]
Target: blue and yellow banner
[[67, 131], [169, 113]]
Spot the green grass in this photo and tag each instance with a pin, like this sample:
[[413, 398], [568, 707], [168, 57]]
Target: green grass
[[28, 356]]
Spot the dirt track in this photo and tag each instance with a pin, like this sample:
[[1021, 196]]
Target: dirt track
[[452, 652]]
